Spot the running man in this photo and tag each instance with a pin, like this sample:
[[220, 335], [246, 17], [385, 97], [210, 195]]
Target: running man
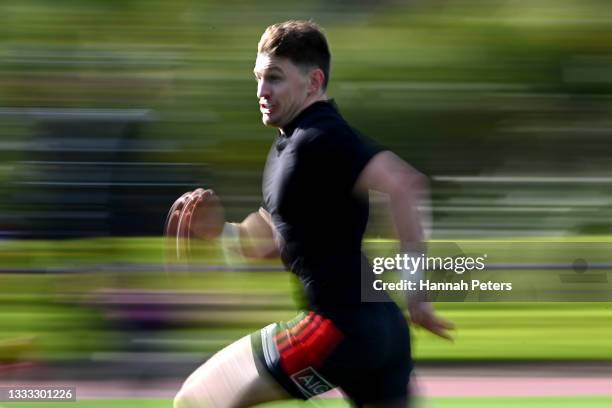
[[314, 214]]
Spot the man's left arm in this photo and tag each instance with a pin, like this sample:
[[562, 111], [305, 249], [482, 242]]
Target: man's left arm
[[405, 186]]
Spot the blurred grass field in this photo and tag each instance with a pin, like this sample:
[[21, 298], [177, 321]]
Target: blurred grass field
[[64, 315], [485, 331]]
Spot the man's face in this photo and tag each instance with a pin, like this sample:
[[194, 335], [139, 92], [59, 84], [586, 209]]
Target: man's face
[[282, 89]]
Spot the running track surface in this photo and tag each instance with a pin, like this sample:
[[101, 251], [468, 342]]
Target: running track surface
[[443, 386]]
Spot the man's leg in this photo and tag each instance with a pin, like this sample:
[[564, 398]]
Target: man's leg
[[229, 379]]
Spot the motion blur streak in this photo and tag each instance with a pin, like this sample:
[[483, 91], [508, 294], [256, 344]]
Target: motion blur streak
[[111, 109]]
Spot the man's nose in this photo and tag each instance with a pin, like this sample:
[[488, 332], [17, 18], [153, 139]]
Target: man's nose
[[263, 90]]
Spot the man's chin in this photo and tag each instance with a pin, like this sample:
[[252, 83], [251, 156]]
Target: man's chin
[[269, 122]]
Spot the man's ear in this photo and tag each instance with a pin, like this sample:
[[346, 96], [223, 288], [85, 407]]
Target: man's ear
[[317, 79]]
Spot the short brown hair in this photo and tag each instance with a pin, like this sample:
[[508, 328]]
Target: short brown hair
[[302, 42]]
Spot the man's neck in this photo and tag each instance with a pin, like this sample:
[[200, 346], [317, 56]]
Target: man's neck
[[315, 99]]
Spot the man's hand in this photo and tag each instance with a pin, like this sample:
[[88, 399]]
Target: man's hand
[[423, 314], [196, 214]]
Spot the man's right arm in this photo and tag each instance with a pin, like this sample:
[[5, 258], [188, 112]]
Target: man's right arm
[[257, 235]]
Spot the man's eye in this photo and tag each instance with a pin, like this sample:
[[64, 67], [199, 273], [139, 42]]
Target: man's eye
[[274, 78]]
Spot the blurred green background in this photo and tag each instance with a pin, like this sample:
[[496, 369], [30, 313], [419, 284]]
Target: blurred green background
[[109, 109], [503, 104]]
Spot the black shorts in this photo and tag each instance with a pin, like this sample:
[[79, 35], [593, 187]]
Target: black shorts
[[365, 351]]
